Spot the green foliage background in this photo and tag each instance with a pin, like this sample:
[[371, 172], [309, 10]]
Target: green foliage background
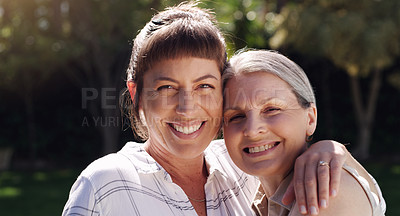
[[52, 50]]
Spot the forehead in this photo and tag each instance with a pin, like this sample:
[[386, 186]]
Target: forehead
[[183, 68], [256, 88]]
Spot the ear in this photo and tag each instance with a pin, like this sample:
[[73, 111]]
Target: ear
[[311, 119], [132, 89]]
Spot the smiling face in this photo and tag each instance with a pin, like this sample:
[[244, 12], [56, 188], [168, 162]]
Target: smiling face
[[264, 126], [182, 105]]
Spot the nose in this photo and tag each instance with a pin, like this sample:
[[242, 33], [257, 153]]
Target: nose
[[187, 104], [254, 125]]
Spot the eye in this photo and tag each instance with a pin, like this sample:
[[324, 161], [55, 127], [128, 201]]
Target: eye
[[236, 118], [166, 90], [270, 110], [205, 86], [165, 87]]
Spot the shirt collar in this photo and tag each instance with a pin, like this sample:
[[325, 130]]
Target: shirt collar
[[260, 200], [146, 164], [212, 153], [278, 195], [143, 162]]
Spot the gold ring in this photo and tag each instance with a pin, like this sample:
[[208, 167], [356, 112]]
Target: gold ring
[[323, 163]]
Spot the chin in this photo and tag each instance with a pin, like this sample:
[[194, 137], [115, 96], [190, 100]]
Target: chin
[[262, 168], [189, 152]]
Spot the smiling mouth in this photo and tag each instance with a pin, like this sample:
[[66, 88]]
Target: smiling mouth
[[257, 149], [186, 129]]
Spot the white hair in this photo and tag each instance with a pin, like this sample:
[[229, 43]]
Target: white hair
[[272, 62]]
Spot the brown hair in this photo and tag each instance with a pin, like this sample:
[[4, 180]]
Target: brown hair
[[180, 31]]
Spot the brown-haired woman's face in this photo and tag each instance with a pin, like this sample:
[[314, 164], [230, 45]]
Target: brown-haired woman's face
[[182, 104]]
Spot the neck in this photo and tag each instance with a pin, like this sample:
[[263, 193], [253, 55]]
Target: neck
[[190, 173], [181, 169], [271, 183]]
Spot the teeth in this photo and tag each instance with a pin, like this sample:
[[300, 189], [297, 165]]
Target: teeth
[[187, 130], [261, 148]]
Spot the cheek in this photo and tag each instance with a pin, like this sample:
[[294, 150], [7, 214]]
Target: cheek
[[156, 102], [156, 109], [291, 128], [212, 105], [211, 101], [233, 139], [234, 130], [285, 124], [232, 136]]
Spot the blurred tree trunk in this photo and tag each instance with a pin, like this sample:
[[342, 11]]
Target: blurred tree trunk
[[101, 28], [279, 5], [359, 39], [326, 99], [106, 79], [6, 12], [365, 113], [30, 116], [56, 17]]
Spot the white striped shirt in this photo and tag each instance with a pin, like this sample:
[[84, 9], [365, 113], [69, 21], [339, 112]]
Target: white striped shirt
[[131, 182]]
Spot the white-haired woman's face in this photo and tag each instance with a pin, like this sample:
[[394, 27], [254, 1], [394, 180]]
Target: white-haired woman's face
[[265, 128]]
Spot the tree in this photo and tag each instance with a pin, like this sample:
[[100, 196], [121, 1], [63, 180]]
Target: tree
[[90, 41], [105, 29], [30, 51], [245, 22], [360, 37]]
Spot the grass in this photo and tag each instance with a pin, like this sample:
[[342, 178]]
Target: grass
[[45, 193], [35, 193]]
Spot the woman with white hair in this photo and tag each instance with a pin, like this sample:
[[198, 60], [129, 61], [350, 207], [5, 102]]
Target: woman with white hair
[[270, 114]]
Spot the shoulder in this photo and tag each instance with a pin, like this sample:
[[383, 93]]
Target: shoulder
[[218, 159], [351, 199], [130, 160], [102, 187], [217, 146], [84, 194], [217, 154], [105, 164]]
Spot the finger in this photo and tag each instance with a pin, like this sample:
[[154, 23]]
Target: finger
[[323, 185], [310, 183], [335, 175], [298, 181], [289, 195]]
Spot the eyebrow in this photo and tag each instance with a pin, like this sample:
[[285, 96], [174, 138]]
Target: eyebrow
[[231, 109], [207, 76], [165, 79], [239, 108]]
